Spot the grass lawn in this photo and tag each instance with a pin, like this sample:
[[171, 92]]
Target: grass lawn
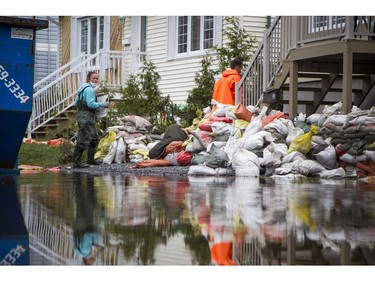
[[44, 155]]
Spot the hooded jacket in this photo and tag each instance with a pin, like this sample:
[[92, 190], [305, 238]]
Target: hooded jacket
[[87, 94], [224, 88]]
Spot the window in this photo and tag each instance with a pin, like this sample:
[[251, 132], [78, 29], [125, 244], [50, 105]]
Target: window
[[91, 34], [193, 35]]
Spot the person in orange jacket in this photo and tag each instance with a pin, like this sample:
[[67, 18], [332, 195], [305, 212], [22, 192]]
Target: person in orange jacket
[[224, 89]]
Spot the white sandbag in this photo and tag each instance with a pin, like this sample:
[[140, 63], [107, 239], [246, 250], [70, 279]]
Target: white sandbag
[[301, 117], [370, 154], [224, 171], [293, 134], [308, 167], [327, 157], [218, 144], [313, 119], [120, 156], [253, 142], [351, 159], [280, 125], [273, 154], [245, 158], [221, 128], [336, 119], [284, 169], [137, 146], [254, 126], [293, 156], [111, 154], [221, 109], [362, 120], [232, 146], [201, 170], [172, 157], [339, 172], [247, 171]]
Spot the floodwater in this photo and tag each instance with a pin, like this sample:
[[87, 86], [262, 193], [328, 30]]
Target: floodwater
[[77, 219]]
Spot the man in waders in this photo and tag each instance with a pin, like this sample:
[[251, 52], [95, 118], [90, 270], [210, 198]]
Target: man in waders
[[87, 138]]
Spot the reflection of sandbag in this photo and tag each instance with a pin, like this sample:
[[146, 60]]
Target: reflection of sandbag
[[104, 145], [303, 143]]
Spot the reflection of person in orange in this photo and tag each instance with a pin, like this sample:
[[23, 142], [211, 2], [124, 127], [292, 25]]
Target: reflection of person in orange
[[218, 236], [87, 233]]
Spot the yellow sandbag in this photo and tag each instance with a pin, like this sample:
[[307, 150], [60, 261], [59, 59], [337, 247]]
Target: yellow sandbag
[[104, 145], [303, 143]]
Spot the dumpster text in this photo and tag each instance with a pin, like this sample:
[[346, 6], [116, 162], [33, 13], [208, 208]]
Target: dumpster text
[[12, 86], [13, 255]]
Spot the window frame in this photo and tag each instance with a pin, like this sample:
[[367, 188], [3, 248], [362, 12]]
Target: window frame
[[76, 35], [173, 37]]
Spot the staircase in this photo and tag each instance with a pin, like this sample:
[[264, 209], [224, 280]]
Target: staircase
[[306, 63], [54, 95]]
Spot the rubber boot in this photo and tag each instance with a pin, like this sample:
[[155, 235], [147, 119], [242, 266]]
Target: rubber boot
[[77, 155], [90, 156]]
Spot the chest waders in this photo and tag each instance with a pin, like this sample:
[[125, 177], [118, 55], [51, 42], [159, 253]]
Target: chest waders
[[87, 137]]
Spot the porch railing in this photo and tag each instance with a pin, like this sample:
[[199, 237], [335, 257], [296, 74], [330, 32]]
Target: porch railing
[[55, 93], [287, 33]]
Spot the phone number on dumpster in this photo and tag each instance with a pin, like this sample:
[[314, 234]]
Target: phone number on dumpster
[[12, 86]]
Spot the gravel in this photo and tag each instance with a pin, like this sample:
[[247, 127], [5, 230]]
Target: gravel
[[126, 169]]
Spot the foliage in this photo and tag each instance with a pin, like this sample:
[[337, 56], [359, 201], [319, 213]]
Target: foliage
[[44, 155], [200, 96], [240, 44], [142, 97]]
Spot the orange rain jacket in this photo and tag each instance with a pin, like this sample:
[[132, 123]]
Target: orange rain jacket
[[224, 89]]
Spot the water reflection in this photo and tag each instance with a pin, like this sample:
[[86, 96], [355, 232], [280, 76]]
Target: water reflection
[[89, 219], [144, 220]]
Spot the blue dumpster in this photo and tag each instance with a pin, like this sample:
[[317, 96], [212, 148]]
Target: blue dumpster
[[17, 45]]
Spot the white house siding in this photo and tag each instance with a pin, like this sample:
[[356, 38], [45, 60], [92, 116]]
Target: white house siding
[[46, 49], [177, 75]]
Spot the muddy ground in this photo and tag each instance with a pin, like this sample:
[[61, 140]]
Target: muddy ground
[[126, 169]]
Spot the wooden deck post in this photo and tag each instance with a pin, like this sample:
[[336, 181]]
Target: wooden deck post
[[293, 90], [347, 81]]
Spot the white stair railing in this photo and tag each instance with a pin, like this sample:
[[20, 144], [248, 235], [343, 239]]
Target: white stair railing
[[262, 67], [55, 93]]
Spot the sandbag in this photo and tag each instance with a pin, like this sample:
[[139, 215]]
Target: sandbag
[[104, 145], [120, 156], [111, 154], [303, 143], [217, 158]]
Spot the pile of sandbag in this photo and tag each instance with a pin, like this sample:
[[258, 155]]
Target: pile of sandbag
[[250, 141], [126, 142]]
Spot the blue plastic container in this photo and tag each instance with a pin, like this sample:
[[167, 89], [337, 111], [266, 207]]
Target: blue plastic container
[[17, 52]]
